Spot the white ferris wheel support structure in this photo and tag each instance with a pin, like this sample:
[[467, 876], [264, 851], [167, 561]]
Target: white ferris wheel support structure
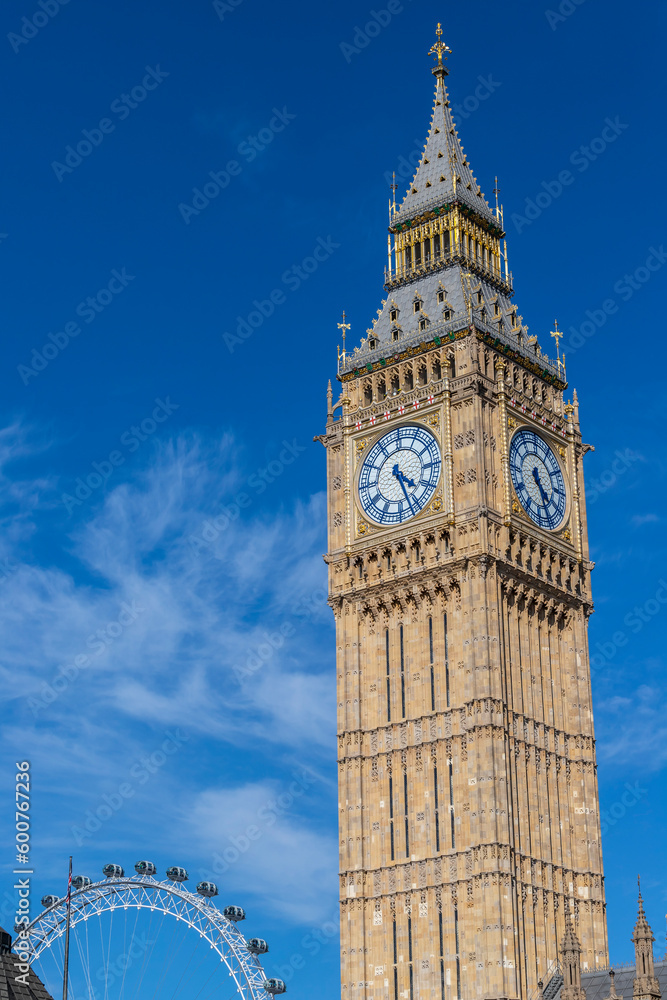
[[143, 892]]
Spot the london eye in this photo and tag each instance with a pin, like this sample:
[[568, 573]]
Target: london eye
[[134, 935]]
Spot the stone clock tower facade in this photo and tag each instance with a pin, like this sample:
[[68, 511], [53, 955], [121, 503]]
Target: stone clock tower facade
[[460, 583]]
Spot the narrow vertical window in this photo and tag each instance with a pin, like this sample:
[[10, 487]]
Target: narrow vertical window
[[418, 253], [407, 833], [408, 257], [391, 814], [386, 637], [442, 957], [410, 954], [436, 245], [430, 645], [402, 675], [395, 963], [446, 241], [446, 662], [458, 960], [437, 809], [451, 802]]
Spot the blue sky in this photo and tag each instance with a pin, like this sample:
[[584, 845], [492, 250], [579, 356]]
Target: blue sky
[[187, 356]]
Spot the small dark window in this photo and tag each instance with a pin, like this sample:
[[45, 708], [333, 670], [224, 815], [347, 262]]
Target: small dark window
[[417, 307], [394, 335], [448, 315], [422, 324], [479, 298], [372, 344], [496, 309], [393, 315], [441, 296]]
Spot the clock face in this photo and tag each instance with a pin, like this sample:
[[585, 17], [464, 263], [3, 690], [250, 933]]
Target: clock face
[[538, 479], [400, 475]]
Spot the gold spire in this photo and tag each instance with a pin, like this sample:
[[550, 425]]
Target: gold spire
[[437, 49], [344, 327], [558, 336]]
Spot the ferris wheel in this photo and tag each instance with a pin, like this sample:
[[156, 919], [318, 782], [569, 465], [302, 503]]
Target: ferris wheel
[[233, 961]]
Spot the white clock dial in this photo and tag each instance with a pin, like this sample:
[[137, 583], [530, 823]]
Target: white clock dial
[[538, 479], [399, 475]]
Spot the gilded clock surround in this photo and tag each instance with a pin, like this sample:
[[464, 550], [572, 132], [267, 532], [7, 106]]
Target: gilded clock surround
[[468, 806]]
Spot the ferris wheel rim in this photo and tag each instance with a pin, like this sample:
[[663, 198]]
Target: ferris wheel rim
[[197, 912]]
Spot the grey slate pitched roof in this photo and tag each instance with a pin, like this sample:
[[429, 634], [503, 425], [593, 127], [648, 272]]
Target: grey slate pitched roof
[[596, 983], [426, 290], [10, 988], [444, 171]]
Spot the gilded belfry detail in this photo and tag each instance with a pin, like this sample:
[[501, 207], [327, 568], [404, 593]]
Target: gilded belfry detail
[[459, 578]]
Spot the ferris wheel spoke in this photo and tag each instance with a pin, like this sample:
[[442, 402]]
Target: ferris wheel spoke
[[185, 969], [143, 961], [125, 952], [90, 982], [170, 952], [84, 965]]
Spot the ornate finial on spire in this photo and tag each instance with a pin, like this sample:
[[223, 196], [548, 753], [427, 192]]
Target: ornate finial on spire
[[437, 49], [344, 327], [558, 336]]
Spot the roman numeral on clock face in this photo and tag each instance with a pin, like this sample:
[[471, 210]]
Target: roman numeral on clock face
[[400, 475]]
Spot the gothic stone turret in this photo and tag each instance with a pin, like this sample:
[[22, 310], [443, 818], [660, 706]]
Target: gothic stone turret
[[645, 985], [571, 964]]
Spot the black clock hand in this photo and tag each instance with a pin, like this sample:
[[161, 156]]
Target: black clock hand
[[536, 477], [396, 472]]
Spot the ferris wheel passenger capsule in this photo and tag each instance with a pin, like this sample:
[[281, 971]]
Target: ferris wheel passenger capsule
[[113, 871], [257, 946], [49, 900], [177, 874], [275, 986], [145, 868], [234, 913], [81, 881], [207, 889]]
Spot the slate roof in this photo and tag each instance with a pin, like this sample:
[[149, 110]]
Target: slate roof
[[597, 983], [444, 171], [425, 291], [10, 989]]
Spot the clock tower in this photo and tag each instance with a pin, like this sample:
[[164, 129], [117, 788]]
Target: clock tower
[[459, 577]]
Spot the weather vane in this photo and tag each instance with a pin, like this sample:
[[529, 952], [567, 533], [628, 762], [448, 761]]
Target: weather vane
[[558, 335], [439, 47], [344, 327]]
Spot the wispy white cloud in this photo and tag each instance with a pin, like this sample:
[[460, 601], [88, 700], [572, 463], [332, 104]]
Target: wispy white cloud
[[254, 835], [187, 616], [137, 629], [632, 729], [639, 520]]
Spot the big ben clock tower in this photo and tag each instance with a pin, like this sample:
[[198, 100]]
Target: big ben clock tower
[[460, 583]]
